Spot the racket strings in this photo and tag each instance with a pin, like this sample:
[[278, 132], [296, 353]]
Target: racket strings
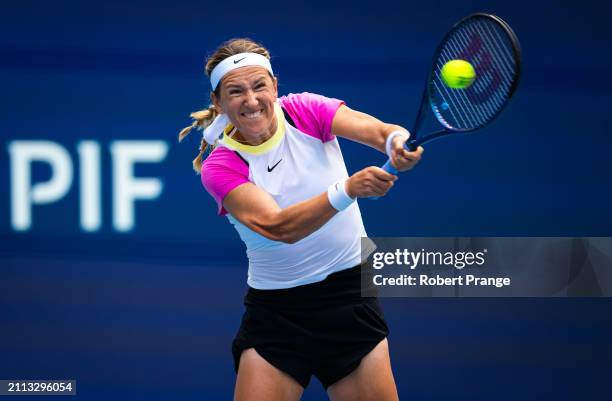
[[503, 62], [479, 85], [486, 45]]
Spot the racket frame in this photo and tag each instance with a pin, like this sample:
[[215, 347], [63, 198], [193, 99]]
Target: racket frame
[[426, 100]]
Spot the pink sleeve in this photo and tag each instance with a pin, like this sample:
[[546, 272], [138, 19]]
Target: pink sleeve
[[312, 114], [223, 171]]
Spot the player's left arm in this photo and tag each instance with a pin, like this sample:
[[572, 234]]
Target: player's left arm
[[363, 128]]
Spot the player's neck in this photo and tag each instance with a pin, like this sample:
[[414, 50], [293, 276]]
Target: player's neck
[[258, 140]]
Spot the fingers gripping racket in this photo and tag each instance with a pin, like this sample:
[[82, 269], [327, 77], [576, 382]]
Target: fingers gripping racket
[[492, 48]]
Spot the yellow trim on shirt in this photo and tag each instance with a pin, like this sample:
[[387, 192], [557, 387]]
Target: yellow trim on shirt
[[269, 144]]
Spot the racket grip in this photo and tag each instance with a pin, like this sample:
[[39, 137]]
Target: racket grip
[[410, 145], [389, 169]]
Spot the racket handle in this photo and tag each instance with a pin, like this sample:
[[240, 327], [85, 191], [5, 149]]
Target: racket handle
[[388, 167], [410, 145]]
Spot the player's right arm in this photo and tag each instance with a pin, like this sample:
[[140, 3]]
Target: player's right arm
[[257, 210]]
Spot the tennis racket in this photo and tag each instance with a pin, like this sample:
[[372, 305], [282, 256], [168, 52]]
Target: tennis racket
[[491, 47]]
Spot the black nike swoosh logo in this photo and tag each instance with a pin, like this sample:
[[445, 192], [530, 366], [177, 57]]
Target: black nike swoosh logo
[[273, 167], [239, 60]]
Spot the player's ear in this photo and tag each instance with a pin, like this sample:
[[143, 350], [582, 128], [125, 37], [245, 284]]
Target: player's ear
[[215, 101], [275, 81]]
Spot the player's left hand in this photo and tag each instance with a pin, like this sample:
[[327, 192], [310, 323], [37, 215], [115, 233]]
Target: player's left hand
[[401, 158]]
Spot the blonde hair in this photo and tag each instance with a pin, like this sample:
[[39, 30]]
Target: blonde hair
[[203, 118]]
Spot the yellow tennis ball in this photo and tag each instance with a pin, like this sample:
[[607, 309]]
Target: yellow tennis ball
[[458, 74]]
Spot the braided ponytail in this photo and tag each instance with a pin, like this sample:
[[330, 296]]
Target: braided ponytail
[[201, 119]]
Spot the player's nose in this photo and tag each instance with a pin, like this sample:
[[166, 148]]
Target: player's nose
[[251, 98]]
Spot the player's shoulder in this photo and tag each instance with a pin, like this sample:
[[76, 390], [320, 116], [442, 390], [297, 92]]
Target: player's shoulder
[[312, 113], [301, 99], [222, 158], [220, 154]]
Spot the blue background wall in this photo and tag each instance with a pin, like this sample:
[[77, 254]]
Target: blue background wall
[[150, 313]]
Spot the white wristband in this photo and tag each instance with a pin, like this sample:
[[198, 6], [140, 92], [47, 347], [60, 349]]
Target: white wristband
[[390, 140], [338, 197]]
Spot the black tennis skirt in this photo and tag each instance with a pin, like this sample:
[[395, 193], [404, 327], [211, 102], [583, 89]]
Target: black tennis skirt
[[322, 329]]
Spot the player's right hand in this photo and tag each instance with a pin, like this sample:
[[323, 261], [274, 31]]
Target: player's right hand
[[371, 181]]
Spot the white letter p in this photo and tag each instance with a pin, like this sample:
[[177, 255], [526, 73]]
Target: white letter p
[[23, 193]]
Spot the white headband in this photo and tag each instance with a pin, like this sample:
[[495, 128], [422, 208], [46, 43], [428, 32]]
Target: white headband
[[237, 61]]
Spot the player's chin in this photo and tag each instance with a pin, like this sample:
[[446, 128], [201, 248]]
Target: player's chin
[[252, 128], [255, 126]]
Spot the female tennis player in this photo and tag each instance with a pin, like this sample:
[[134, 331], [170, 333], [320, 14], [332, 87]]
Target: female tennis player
[[277, 173]]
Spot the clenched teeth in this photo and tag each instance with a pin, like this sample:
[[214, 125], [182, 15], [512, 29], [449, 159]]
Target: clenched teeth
[[252, 115]]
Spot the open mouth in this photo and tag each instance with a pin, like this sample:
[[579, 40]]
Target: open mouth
[[253, 115]]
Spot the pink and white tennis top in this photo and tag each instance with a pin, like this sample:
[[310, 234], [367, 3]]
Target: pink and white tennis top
[[297, 163]]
